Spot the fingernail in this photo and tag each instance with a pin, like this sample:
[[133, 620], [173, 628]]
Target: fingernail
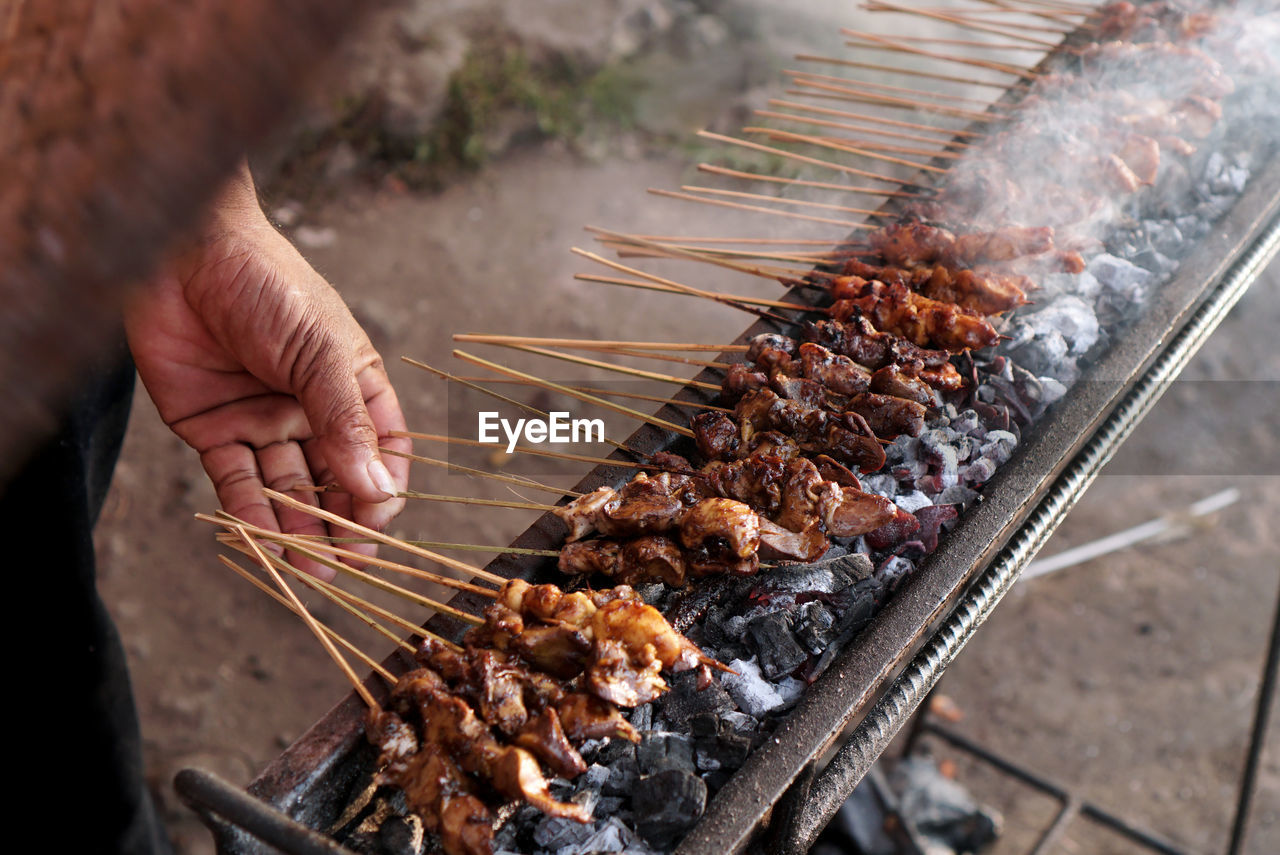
[[382, 478]]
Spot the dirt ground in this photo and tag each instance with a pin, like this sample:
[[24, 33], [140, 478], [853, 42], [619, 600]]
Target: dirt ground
[[1130, 678]]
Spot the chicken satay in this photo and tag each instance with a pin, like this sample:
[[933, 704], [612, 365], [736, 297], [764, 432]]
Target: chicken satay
[[896, 309], [449, 721]]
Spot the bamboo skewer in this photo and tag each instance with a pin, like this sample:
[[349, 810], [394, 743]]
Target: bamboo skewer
[[581, 396], [608, 366], [314, 626], [672, 252], [432, 544], [453, 378], [516, 480], [330, 631], [343, 599], [876, 145], [739, 194], [676, 252], [782, 152], [825, 142], [520, 449], [587, 343], [884, 6], [881, 43], [862, 96], [383, 538], [649, 286], [949, 133], [908, 72], [329, 588], [800, 182], [899, 90], [625, 250], [845, 126], [751, 241], [613, 393], [758, 209], [303, 545]]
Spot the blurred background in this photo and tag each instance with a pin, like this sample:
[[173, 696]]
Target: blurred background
[[439, 177]]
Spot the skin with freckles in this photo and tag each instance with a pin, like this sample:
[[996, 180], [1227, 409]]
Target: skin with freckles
[[255, 361]]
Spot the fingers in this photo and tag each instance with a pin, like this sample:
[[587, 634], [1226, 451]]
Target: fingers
[[335, 407], [384, 409], [239, 473]]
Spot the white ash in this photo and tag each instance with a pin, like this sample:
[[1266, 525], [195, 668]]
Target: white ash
[[753, 694]]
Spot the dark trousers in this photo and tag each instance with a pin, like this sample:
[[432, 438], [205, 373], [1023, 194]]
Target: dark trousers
[[76, 714]]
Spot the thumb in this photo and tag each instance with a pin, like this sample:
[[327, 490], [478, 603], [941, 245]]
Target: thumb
[[336, 411]]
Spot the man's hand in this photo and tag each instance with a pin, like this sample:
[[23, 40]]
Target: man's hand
[[253, 359]]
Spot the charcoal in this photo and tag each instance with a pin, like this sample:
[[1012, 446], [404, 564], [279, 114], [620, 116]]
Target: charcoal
[[560, 788], [827, 577], [652, 593], [658, 752], [686, 700], [593, 778], [861, 602], [776, 648], [884, 485], [400, 835], [815, 626], [979, 471], [615, 749], [609, 805], [622, 777], [912, 502], [940, 809], [999, 446], [1119, 275], [611, 836], [718, 745], [790, 689], [740, 722], [668, 804], [750, 691], [642, 718], [862, 819], [588, 799], [590, 749], [555, 832], [893, 570]]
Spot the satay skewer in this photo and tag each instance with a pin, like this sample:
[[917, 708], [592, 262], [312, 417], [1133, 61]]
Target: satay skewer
[[304, 543], [431, 544], [341, 661], [617, 369], [782, 152], [515, 480], [799, 182], [884, 6], [876, 42], [672, 252], [649, 286], [861, 129], [353, 603], [627, 251], [758, 209], [609, 393], [587, 343], [333, 518], [538, 452], [581, 396], [908, 72], [863, 96], [782, 200], [368, 660], [373, 582], [827, 142], [902, 91]]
